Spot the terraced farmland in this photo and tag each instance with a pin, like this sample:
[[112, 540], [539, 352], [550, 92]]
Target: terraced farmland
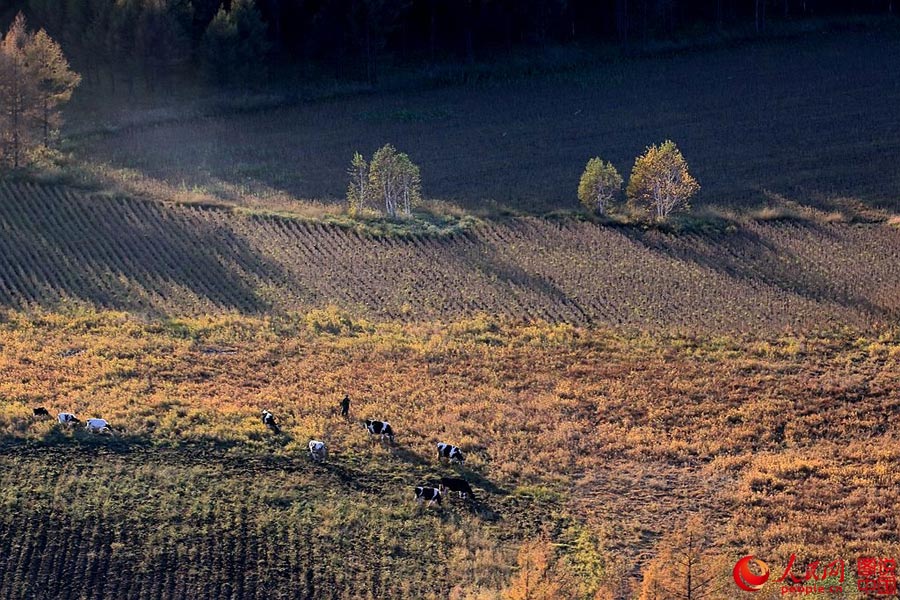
[[62, 248]]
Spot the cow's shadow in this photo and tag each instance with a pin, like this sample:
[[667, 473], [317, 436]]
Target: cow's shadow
[[431, 474], [120, 441], [477, 479], [408, 456]]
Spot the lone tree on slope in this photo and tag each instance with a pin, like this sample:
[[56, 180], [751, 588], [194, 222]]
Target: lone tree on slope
[[390, 180], [660, 182], [35, 80], [54, 82]]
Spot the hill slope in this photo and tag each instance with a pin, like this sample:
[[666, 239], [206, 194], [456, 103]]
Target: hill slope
[[810, 119], [62, 248], [786, 444]]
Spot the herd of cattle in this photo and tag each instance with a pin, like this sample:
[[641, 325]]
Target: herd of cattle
[[318, 451]]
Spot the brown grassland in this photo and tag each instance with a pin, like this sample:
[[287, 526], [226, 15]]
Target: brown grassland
[[600, 442], [619, 387]]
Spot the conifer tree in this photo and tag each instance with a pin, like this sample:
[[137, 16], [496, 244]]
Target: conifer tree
[[17, 92], [53, 81]]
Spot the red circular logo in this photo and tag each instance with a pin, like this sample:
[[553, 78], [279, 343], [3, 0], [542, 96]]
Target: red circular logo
[[746, 579]]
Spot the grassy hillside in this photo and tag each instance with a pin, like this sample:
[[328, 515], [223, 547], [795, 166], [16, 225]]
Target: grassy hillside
[[812, 120], [732, 374], [61, 249], [191, 524], [785, 444]]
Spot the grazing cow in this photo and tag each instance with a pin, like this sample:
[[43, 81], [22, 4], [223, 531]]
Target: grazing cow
[[382, 428], [458, 485], [269, 420], [451, 453], [40, 411], [428, 493], [67, 419], [318, 451], [98, 426]]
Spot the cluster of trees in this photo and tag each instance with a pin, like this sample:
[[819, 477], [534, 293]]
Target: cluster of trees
[[236, 40], [152, 42], [660, 183], [686, 566], [389, 182], [35, 81]]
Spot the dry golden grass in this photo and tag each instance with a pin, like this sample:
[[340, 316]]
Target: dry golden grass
[[785, 444]]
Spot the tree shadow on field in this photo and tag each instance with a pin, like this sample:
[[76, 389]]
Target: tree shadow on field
[[351, 478], [745, 254], [484, 255], [78, 440], [124, 254]]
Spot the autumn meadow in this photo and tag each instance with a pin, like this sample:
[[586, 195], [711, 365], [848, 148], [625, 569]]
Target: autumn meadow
[[639, 262]]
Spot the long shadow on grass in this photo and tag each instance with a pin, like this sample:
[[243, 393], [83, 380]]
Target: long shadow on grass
[[78, 440], [746, 255], [484, 256], [437, 471], [130, 255]]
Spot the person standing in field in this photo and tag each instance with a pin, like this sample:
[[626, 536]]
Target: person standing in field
[[345, 406]]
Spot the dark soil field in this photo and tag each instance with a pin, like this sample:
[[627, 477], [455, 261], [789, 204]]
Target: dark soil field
[[63, 249], [151, 523], [811, 120]]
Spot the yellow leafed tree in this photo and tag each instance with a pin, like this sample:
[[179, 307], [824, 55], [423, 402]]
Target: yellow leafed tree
[[660, 182], [537, 576], [686, 567]]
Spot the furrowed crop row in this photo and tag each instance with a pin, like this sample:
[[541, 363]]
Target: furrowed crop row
[[875, 248], [180, 252], [101, 249], [58, 246], [120, 266], [44, 254], [69, 256], [234, 561], [68, 218], [165, 261]]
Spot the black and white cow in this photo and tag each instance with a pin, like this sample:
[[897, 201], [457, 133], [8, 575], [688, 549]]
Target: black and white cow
[[451, 453], [268, 420], [318, 451], [458, 485], [98, 426], [428, 493], [67, 419], [40, 411], [382, 428]]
